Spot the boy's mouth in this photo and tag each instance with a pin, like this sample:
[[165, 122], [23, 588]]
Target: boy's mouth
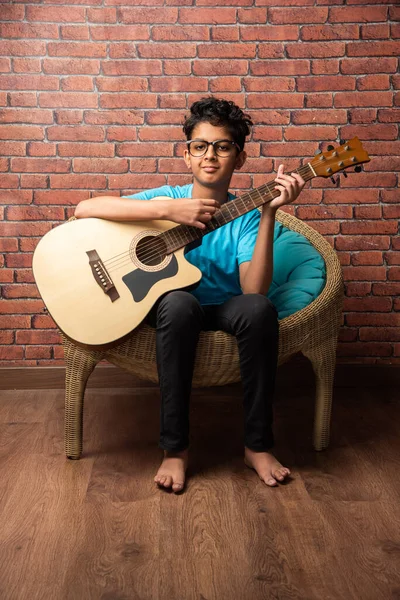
[[210, 169]]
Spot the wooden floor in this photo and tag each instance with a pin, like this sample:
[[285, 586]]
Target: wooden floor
[[99, 528]]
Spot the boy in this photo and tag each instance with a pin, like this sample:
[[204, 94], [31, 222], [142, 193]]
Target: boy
[[236, 262]]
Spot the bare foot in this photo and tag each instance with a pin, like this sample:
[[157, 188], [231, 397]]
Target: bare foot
[[266, 465], [172, 470]]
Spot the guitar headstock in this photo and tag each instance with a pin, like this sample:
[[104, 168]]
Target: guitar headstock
[[349, 154]]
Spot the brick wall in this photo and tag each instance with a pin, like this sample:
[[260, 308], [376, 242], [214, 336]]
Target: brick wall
[[92, 96]]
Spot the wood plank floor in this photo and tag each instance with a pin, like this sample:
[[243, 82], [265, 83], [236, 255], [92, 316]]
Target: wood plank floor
[[99, 528]]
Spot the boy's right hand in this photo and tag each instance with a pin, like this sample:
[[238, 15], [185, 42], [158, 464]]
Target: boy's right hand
[[192, 211]]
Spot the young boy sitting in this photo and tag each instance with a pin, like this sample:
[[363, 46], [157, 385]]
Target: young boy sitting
[[236, 261]]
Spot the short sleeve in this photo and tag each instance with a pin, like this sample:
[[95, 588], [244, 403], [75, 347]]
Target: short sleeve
[[164, 190], [247, 237]]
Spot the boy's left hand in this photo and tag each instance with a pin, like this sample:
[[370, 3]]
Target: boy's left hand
[[290, 187]]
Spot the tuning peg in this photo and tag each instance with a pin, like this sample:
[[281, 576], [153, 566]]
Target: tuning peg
[[318, 152], [335, 182], [358, 168], [344, 173], [330, 147], [342, 142]]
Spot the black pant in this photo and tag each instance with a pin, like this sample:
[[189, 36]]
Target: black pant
[[253, 319]]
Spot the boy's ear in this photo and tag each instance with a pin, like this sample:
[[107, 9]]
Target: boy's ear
[[240, 159], [186, 158]]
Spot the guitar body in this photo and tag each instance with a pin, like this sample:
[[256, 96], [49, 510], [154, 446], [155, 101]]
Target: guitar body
[[74, 290]]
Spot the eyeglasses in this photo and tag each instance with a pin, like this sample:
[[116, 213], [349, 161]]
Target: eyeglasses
[[223, 148]]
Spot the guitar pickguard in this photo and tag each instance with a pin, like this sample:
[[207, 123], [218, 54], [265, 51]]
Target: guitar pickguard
[[140, 282]]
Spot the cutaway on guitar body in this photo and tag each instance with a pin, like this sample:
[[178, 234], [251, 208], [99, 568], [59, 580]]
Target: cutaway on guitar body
[[99, 279]]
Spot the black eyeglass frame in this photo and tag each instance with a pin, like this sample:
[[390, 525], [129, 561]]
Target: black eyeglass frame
[[211, 144]]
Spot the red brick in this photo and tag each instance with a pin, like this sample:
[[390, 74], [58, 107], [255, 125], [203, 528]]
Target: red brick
[[76, 149], [81, 84], [84, 49], [272, 100], [10, 352], [123, 84], [392, 258], [121, 134], [22, 48], [381, 334], [20, 307], [325, 67], [55, 13], [41, 165], [367, 304], [20, 291], [100, 165], [391, 212], [324, 212], [148, 15], [70, 100], [15, 115], [276, 84], [120, 32], [394, 273], [21, 132], [297, 15], [273, 67], [139, 67], [78, 181], [9, 181], [364, 349], [329, 32], [252, 15], [16, 197], [367, 258], [115, 117], [123, 50], [136, 181], [373, 227], [12, 322], [375, 242], [102, 15], [389, 115], [22, 98], [66, 66], [83, 133], [225, 84], [40, 149], [181, 33], [74, 32], [368, 212], [43, 322], [373, 319], [26, 65], [127, 100], [27, 213], [323, 83], [29, 82], [172, 101], [362, 115], [178, 84], [379, 48], [368, 65], [62, 197], [311, 50], [12, 13], [177, 67], [19, 260], [37, 352], [37, 337], [24, 276], [207, 15], [347, 14], [68, 117], [143, 165], [28, 30], [320, 100], [364, 273], [310, 133], [8, 245], [228, 33], [337, 196], [7, 337], [6, 275], [311, 117], [358, 289]]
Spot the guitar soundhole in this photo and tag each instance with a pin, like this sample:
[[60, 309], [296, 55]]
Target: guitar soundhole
[[151, 250]]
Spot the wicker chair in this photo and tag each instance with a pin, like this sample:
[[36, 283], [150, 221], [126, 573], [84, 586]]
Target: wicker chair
[[312, 330]]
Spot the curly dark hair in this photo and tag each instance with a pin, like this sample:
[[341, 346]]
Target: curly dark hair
[[220, 113]]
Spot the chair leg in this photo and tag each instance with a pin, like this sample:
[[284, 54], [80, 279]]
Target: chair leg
[[79, 365], [323, 360]]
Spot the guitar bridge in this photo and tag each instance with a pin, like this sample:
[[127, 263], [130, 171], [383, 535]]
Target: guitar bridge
[[101, 275]]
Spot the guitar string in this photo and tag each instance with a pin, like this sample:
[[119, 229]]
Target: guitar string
[[150, 243], [152, 253], [124, 258]]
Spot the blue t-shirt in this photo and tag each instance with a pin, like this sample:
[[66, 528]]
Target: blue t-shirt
[[219, 255]]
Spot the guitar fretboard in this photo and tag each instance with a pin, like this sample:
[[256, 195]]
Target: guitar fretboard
[[182, 235]]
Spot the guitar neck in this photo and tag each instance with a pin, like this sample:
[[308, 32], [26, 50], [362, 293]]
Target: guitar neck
[[182, 235]]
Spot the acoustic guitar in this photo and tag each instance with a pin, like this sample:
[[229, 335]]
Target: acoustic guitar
[[99, 278]]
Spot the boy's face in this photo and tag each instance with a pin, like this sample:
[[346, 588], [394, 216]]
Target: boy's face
[[211, 170]]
